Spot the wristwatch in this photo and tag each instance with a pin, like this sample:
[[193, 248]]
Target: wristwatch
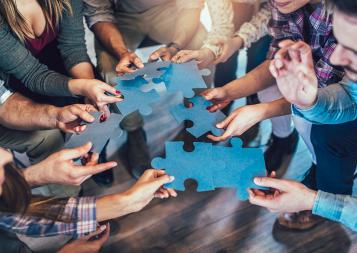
[[174, 45]]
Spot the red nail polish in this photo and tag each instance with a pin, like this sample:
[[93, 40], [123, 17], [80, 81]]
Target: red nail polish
[[118, 92]]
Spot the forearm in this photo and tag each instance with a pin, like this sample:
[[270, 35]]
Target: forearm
[[33, 116], [112, 206], [256, 80], [275, 108], [83, 70], [186, 26], [110, 37]]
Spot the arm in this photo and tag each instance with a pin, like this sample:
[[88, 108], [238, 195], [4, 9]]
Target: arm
[[335, 104], [86, 212], [71, 42], [48, 116], [256, 80], [340, 208], [186, 26], [16, 60], [221, 13]]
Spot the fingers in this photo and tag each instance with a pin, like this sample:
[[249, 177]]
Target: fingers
[[264, 201], [210, 94], [156, 55], [227, 120], [89, 170], [95, 233], [225, 136], [74, 153], [185, 56], [105, 237], [164, 179], [81, 112], [279, 184], [137, 62]]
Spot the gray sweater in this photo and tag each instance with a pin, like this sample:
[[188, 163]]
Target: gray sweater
[[17, 61]]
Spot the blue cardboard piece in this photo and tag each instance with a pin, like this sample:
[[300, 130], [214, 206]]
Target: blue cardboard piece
[[134, 97], [97, 132], [183, 78], [197, 165], [242, 165], [203, 120], [150, 70]]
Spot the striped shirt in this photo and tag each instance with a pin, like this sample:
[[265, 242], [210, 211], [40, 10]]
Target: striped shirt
[[312, 25], [81, 210]]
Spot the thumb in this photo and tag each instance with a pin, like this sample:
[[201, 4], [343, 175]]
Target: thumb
[[160, 181], [74, 153], [279, 184]]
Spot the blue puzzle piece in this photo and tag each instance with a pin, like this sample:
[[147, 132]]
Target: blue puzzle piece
[[97, 132], [197, 165], [134, 97], [242, 165], [203, 120], [150, 70], [183, 78]]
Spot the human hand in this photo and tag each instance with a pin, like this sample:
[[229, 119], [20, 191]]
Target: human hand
[[218, 96], [239, 121], [293, 68], [86, 244], [203, 56], [228, 48], [149, 186], [129, 62], [287, 196], [69, 118], [163, 53], [59, 168], [97, 92]]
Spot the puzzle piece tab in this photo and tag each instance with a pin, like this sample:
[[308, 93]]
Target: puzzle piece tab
[[242, 165], [150, 70], [97, 132], [183, 78], [203, 120], [197, 165], [134, 97]]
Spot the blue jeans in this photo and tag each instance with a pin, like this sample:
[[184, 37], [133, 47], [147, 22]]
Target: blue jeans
[[336, 156]]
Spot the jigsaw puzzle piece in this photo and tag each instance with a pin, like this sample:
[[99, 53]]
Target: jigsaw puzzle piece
[[135, 99], [203, 120], [150, 70], [197, 165], [97, 132], [242, 165], [183, 77]]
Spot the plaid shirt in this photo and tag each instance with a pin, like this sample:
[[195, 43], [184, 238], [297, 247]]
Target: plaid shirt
[[311, 25], [82, 211]]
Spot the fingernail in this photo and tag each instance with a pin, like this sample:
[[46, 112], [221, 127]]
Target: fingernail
[[256, 180], [117, 92], [102, 228], [114, 164], [172, 178]]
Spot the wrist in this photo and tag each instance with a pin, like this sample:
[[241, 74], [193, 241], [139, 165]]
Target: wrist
[[238, 42], [75, 86], [54, 116], [34, 176], [310, 199]]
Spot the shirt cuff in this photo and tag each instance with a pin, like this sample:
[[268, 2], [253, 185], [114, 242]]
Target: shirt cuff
[[328, 205], [86, 216], [315, 111], [216, 50], [5, 96]]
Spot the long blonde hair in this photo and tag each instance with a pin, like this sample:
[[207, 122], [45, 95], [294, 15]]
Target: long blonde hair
[[52, 9]]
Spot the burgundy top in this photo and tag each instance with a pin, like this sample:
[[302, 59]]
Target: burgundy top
[[36, 45]]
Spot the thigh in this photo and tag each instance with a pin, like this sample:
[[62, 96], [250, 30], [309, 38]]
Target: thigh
[[36, 144], [336, 155]]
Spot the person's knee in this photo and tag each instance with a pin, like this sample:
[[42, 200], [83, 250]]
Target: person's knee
[[44, 143]]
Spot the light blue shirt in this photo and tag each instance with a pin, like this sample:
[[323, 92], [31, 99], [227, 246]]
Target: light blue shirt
[[335, 104]]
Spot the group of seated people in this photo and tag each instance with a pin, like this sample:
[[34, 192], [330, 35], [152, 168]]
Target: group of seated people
[[306, 85]]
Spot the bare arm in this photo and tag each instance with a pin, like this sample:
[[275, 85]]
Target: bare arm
[[256, 80], [83, 70], [19, 105], [110, 37]]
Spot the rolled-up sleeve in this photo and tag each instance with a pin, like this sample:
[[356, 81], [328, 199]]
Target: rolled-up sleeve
[[4, 92], [98, 11]]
